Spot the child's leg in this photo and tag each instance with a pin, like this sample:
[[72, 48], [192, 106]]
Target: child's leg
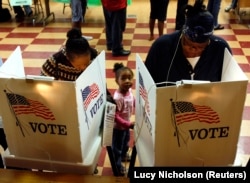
[[126, 146], [117, 144]]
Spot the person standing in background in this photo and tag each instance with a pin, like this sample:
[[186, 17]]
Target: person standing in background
[[213, 6], [115, 14], [77, 15], [158, 11], [180, 14]]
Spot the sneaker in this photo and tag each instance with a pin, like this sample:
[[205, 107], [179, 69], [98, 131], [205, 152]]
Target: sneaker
[[87, 37]]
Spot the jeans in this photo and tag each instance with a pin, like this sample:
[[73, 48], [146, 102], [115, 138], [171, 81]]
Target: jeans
[[119, 140], [126, 144]]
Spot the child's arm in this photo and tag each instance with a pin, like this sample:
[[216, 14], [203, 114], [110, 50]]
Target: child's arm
[[122, 122]]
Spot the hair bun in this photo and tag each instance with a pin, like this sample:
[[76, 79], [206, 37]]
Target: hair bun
[[74, 33]]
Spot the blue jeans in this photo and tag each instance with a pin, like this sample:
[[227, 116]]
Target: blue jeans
[[27, 9], [118, 143], [213, 6], [126, 143], [76, 10]]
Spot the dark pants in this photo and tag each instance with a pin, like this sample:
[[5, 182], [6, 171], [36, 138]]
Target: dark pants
[[119, 140], [3, 143], [180, 15], [126, 144], [18, 10], [115, 24], [213, 7], [84, 7]]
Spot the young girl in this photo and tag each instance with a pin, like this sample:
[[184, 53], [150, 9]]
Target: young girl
[[125, 103]]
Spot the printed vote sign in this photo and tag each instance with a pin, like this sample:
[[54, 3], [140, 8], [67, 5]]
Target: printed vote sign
[[190, 123]]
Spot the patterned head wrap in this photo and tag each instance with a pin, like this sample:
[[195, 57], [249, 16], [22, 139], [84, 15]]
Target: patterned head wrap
[[199, 26]]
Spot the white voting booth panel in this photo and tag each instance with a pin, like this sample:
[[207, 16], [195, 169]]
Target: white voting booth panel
[[192, 124], [53, 125]]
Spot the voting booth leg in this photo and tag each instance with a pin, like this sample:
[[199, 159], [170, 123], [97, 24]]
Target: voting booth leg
[[132, 162], [248, 163], [48, 14]]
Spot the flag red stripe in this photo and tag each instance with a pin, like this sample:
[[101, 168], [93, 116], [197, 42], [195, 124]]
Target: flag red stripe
[[144, 95], [24, 109], [188, 117], [94, 92]]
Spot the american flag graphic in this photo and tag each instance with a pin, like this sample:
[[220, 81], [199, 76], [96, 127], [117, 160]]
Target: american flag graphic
[[143, 92], [89, 93], [187, 112], [22, 105]]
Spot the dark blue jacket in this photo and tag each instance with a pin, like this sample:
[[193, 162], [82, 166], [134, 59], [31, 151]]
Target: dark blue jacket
[[165, 65]]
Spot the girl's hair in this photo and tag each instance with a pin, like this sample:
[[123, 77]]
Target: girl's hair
[[78, 45], [118, 67]]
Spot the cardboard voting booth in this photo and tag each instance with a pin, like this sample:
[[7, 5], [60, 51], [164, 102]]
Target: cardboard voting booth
[[52, 125], [192, 123]]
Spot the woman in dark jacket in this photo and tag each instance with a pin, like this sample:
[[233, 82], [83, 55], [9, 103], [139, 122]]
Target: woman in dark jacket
[[192, 53]]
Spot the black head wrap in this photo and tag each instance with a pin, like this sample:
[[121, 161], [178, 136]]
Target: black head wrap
[[199, 23]]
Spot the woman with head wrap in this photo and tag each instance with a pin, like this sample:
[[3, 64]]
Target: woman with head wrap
[[192, 53]]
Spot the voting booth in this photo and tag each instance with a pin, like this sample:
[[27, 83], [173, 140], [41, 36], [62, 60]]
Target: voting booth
[[50, 124], [191, 123]]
